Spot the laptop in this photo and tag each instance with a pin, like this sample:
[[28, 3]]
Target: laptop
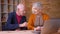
[[51, 26]]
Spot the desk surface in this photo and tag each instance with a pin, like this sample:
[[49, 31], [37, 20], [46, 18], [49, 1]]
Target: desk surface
[[17, 32]]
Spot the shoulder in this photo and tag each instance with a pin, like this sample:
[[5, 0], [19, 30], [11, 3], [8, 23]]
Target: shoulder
[[12, 13], [32, 15], [45, 16]]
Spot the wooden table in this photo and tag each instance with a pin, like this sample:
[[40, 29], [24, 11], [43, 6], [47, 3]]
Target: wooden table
[[18, 32]]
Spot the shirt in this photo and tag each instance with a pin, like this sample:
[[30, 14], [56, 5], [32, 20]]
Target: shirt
[[18, 18]]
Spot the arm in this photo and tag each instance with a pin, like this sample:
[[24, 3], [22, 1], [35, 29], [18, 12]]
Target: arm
[[30, 23], [46, 17], [23, 22], [9, 25]]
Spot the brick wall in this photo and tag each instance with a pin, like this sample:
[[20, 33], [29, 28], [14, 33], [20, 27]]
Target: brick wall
[[51, 7]]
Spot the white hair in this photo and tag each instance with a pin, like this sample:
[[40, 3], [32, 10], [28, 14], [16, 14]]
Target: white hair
[[20, 6]]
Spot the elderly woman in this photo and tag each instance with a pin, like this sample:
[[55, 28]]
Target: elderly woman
[[37, 18], [17, 20]]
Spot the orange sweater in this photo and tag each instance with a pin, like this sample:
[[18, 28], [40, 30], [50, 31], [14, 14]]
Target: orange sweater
[[32, 19]]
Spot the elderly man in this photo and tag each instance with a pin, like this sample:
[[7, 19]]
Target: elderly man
[[17, 20], [37, 18]]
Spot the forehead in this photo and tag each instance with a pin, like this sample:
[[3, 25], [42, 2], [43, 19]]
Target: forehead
[[36, 8]]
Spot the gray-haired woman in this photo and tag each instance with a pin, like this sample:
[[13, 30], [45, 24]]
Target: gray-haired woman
[[37, 18]]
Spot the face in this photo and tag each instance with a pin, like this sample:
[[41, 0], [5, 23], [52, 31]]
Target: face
[[21, 11], [36, 10]]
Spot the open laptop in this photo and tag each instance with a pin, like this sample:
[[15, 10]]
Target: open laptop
[[51, 26]]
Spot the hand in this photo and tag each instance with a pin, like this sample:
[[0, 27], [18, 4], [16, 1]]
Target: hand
[[37, 28], [23, 25], [18, 29], [42, 28]]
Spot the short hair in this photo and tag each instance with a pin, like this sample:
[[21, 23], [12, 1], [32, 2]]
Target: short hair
[[20, 6], [37, 5]]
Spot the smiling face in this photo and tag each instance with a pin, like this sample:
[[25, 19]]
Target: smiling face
[[36, 8], [21, 9]]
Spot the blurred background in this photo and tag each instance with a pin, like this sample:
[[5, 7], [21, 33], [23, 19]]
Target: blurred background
[[50, 7]]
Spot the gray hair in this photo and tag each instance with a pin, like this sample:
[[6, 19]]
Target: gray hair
[[37, 5]]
